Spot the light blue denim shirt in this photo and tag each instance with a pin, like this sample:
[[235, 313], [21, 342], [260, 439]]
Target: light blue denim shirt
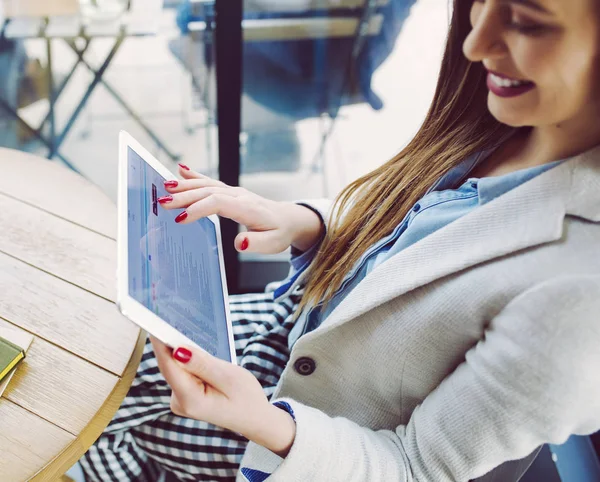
[[441, 205]]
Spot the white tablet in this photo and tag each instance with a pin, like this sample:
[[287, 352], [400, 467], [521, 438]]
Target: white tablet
[[171, 277]]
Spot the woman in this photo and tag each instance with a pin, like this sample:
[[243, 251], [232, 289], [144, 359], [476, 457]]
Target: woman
[[445, 322]]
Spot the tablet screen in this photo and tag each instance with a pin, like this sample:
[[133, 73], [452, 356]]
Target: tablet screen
[[173, 268]]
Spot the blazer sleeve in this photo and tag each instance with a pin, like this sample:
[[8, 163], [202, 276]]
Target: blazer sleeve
[[531, 380]]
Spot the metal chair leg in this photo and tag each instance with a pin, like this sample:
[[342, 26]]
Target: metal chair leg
[[98, 77]]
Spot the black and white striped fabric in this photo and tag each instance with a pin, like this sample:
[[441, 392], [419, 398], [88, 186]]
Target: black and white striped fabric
[[146, 439]]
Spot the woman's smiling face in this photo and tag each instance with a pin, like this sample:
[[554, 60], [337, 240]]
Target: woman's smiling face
[[542, 58]]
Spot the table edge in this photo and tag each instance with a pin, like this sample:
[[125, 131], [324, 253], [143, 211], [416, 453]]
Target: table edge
[[92, 431]]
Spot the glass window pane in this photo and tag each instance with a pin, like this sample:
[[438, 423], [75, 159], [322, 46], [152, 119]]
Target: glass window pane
[[333, 88]]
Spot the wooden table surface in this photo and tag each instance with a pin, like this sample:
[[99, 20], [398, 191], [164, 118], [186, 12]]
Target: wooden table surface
[[58, 281]]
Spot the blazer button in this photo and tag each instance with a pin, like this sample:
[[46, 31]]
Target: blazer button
[[305, 365]]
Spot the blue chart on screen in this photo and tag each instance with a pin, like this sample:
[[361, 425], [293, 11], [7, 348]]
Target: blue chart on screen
[[173, 268]]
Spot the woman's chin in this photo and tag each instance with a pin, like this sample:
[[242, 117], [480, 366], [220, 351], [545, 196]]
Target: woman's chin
[[508, 116]]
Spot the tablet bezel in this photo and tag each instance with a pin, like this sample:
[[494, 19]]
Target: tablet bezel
[[130, 307]]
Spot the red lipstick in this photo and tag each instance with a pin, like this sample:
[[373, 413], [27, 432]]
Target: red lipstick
[[504, 86]]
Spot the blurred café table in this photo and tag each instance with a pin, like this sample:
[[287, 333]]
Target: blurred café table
[[58, 261]]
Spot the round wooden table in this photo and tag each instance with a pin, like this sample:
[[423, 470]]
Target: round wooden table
[[58, 282]]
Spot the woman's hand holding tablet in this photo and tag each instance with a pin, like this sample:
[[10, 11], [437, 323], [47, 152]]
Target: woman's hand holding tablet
[[229, 396]]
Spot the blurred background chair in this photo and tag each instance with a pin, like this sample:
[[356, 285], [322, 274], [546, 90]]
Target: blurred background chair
[[78, 23]]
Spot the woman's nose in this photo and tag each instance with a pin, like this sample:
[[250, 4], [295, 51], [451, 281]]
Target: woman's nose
[[486, 40]]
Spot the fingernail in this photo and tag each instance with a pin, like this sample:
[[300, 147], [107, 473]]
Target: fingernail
[[165, 199], [180, 217], [244, 245], [183, 166], [171, 183], [182, 354]]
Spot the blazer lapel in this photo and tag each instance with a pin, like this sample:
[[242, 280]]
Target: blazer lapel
[[528, 215]]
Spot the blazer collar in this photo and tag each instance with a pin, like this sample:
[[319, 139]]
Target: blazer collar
[[584, 196], [528, 215]]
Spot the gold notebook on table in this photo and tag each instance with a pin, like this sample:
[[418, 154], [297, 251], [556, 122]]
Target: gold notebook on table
[[14, 344]]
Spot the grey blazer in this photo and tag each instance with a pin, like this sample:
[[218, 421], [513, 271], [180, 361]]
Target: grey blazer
[[470, 348]]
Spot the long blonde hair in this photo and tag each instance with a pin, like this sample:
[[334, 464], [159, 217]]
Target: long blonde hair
[[457, 125]]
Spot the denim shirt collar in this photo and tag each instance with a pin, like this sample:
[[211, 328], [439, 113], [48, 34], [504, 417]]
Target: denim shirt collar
[[488, 188]]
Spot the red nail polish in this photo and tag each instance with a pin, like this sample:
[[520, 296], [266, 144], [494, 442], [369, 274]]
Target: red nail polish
[[244, 245], [180, 217], [182, 354], [165, 199], [183, 166], [171, 183]]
